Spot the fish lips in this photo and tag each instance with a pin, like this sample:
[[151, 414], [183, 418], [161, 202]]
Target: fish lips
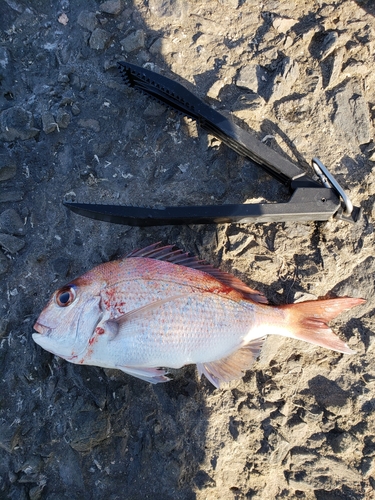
[[43, 339], [41, 329]]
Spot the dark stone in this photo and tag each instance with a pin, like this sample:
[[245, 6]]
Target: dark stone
[[4, 265], [113, 7], [99, 39], [87, 20], [11, 223], [7, 171], [62, 118], [133, 42], [10, 243], [89, 429], [16, 123], [10, 195], [49, 124], [61, 266]]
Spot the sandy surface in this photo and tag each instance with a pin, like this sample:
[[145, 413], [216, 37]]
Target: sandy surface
[[300, 74]]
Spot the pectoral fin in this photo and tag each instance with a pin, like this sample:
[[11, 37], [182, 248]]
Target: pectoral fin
[[144, 311], [123, 324], [152, 375], [233, 366]]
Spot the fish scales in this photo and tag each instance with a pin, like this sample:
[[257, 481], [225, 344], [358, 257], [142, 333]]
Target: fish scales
[[160, 308], [178, 333]]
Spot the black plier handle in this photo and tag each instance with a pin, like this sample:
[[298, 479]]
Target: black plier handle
[[177, 97]]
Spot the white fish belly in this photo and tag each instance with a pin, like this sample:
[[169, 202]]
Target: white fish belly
[[192, 329]]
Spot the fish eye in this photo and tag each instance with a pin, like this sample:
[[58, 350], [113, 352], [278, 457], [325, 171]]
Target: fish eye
[[65, 296]]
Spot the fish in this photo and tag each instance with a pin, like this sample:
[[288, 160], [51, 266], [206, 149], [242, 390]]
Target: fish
[[160, 308]]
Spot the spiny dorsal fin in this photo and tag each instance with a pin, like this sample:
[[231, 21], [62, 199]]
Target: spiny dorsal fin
[[176, 256], [233, 366]]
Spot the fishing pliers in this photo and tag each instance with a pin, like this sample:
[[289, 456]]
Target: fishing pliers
[[311, 199]]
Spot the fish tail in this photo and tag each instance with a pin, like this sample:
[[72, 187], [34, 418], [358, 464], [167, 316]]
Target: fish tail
[[308, 321]]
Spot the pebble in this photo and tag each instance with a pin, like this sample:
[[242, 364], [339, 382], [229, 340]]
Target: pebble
[[35, 493], [63, 19], [16, 123], [162, 46], [61, 266], [4, 266], [99, 39], [10, 243], [7, 172], [324, 44], [329, 44], [48, 122], [113, 7], [133, 42], [362, 123], [166, 8], [63, 78], [90, 123], [338, 58], [11, 222], [215, 89], [8, 195], [352, 114], [286, 76], [251, 77], [283, 24], [75, 109], [4, 323], [87, 20], [62, 118]]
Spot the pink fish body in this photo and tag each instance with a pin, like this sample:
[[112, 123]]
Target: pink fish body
[[158, 307]]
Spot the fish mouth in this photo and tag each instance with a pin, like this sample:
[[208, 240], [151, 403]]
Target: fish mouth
[[43, 339], [42, 329]]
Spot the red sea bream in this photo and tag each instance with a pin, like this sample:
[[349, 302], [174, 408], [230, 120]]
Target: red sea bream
[[159, 308]]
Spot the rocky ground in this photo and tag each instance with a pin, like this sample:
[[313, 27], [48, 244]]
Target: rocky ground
[[300, 75]]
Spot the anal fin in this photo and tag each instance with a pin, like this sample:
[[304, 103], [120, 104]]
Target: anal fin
[[233, 366], [152, 375]]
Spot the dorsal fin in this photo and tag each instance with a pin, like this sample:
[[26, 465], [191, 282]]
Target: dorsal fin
[[174, 255]]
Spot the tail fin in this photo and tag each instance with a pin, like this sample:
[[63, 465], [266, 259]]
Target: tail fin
[[308, 321]]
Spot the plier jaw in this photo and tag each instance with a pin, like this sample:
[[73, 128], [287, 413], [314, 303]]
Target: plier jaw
[[310, 200]]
